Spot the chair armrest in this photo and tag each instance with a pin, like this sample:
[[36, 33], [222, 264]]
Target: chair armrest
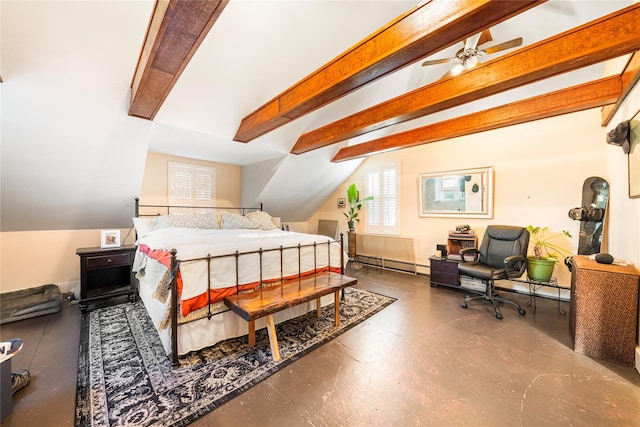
[[509, 264], [469, 251]]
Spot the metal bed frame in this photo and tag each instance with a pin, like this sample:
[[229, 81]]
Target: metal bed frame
[[175, 264]]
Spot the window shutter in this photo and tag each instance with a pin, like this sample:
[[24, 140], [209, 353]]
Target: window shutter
[[381, 213], [191, 185]]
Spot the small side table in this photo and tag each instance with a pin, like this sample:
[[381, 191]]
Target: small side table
[[443, 271], [534, 285], [106, 273]]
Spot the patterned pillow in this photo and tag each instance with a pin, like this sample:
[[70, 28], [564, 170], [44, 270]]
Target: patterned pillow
[[207, 221], [261, 220], [161, 221], [232, 221]]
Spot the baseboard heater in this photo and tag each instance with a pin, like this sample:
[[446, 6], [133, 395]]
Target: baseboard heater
[[393, 253]]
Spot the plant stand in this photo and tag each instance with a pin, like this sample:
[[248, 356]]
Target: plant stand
[[352, 252]]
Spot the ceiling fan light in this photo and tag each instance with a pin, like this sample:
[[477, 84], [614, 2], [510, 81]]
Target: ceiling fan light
[[472, 62], [457, 69]]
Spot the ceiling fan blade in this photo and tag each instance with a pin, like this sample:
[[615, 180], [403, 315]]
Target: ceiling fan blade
[[485, 37], [437, 61], [503, 46], [472, 42]]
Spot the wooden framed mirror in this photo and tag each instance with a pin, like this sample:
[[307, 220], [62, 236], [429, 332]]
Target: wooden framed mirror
[[466, 193]]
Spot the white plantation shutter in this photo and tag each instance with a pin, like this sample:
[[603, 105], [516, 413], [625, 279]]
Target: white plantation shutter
[[381, 213], [191, 185]]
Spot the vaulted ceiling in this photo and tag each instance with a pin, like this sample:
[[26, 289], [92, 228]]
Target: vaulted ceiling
[[425, 29], [291, 91]]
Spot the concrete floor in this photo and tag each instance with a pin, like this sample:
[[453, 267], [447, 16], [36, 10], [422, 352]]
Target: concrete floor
[[421, 361]]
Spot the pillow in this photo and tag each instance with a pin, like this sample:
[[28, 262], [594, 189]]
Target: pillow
[[261, 220], [161, 221], [207, 221], [231, 221], [143, 226]]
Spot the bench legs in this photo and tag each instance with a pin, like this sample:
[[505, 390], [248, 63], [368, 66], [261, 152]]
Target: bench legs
[[271, 326], [337, 306], [273, 338], [252, 333]]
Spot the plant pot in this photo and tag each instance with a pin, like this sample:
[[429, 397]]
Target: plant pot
[[351, 225], [540, 269]]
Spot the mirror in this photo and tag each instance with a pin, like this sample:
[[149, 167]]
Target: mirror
[[464, 193]]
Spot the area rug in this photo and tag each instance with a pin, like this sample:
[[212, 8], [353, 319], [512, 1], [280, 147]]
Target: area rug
[[125, 378]]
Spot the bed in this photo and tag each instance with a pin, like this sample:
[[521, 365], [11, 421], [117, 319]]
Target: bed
[[187, 261]]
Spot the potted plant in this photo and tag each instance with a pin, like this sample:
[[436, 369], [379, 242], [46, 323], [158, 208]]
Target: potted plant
[[355, 204], [545, 253]]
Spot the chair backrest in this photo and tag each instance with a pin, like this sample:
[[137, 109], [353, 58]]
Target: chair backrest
[[328, 227], [501, 241]]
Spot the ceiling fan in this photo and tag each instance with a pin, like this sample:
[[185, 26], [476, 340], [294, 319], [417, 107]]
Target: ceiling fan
[[467, 57]]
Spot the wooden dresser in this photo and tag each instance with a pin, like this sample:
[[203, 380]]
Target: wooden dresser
[[604, 310]]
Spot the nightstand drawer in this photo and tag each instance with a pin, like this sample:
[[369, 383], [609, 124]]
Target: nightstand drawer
[[444, 266], [451, 279], [108, 261], [443, 272]]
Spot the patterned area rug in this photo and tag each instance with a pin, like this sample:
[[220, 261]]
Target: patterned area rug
[[125, 378]]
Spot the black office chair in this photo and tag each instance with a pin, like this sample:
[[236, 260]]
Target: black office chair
[[501, 255]]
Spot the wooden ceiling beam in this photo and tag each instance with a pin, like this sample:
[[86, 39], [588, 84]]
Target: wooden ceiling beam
[[605, 38], [630, 76], [176, 30], [423, 31], [582, 97]]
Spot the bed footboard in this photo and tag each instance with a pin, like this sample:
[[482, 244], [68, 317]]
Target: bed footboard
[[175, 264]]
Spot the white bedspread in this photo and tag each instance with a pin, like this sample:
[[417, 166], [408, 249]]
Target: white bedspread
[[199, 243]]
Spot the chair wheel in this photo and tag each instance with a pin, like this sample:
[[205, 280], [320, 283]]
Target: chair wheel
[[499, 315], [521, 311], [463, 305]]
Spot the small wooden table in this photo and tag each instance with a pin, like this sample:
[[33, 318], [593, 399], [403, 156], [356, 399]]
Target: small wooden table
[[271, 299]]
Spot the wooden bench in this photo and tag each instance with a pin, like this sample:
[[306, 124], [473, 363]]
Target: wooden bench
[[271, 299]]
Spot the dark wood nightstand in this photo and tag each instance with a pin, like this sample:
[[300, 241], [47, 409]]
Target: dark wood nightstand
[[443, 272], [106, 273]]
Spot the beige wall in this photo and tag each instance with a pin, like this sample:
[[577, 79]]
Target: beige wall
[[34, 258], [155, 181], [539, 171]]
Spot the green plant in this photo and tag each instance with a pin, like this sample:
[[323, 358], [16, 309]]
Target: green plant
[[542, 247], [355, 204]]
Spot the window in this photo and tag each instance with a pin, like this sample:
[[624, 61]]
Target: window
[[383, 183], [191, 185]]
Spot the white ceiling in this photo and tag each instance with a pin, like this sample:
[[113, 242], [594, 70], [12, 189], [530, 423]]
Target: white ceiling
[[69, 149]]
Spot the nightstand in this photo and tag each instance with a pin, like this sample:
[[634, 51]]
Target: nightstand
[[106, 273], [444, 272]]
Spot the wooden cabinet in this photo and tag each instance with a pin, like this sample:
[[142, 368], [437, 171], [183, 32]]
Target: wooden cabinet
[[457, 242], [106, 273], [443, 272], [604, 310]]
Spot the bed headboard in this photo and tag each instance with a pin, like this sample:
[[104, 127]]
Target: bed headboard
[[153, 210]]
